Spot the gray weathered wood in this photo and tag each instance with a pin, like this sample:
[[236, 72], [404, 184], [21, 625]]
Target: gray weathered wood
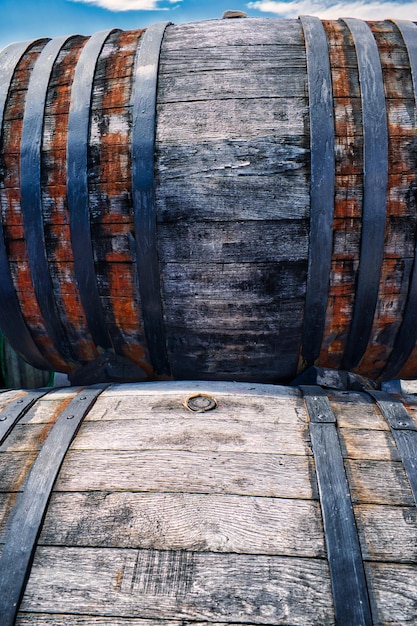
[[198, 522], [193, 436], [180, 585], [29, 510], [388, 533], [378, 482], [248, 474]]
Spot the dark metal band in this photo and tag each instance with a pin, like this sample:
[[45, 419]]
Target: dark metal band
[[29, 510], [321, 186], [77, 188], [12, 322], [375, 172], [16, 409], [350, 596], [404, 432], [407, 334], [31, 199], [143, 153]]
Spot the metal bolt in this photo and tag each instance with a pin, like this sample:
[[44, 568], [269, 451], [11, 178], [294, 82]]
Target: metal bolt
[[70, 417], [201, 404]]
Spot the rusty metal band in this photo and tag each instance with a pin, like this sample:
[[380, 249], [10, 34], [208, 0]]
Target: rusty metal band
[[350, 595], [16, 409], [407, 334], [375, 173], [403, 430], [143, 102], [31, 198], [77, 188], [12, 322], [321, 185], [30, 508]]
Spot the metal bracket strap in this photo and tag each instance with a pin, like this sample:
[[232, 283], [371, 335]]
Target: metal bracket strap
[[375, 172], [350, 596], [143, 102], [321, 186], [12, 322], [29, 510], [404, 432], [16, 409], [31, 200], [407, 334], [77, 187]]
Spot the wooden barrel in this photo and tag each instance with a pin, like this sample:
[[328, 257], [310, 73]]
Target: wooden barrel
[[16, 373], [231, 199], [195, 502]]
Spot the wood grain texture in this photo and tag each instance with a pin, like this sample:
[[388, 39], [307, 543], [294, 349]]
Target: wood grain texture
[[180, 585], [195, 523], [278, 475]]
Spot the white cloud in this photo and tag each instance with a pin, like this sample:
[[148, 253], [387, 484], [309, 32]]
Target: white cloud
[[130, 5], [361, 9]]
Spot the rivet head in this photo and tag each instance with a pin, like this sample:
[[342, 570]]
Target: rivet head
[[70, 417], [201, 403]]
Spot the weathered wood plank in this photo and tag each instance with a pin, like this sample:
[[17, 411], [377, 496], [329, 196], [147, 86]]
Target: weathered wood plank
[[378, 482], [377, 445], [232, 33], [180, 585], [393, 589], [197, 523], [238, 243], [356, 410], [231, 408], [387, 533], [14, 468], [179, 434], [247, 474], [53, 619]]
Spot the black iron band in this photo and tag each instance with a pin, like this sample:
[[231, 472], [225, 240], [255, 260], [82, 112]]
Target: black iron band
[[403, 430], [350, 596], [77, 188], [29, 510], [407, 334], [321, 186], [143, 154], [31, 199], [12, 322], [375, 172], [16, 409]]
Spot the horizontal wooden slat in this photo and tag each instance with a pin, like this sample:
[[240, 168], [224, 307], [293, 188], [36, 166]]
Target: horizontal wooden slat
[[378, 482], [375, 445], [193, 436], [180, 585], [394, 590], [286, 409], [197, 523], [387, 533], [284, 476]]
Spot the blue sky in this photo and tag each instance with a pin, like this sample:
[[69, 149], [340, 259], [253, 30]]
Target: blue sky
[[29, 19]]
